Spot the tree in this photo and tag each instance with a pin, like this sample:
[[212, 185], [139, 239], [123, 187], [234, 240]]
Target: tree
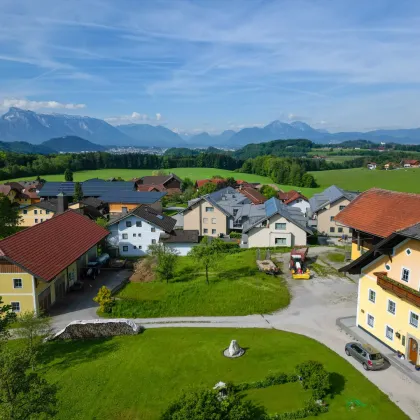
[[68, 175], [23, 393], [207, 404], [206, 253], [105, 300], [268, 191], [186, 183], [9, 217], [206, 189], [166, 260], [159, 172], [78, 192], [33, 329], [101, 221], [308, 181], [7, 317]]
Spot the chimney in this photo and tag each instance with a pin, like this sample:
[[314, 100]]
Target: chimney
[[62, 203]]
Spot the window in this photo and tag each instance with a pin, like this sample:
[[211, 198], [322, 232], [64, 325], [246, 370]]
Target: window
[[15, 306], [42, 220], [17, 283], [370, 320], [280, 241], [128, 224], [332, 229], [372, 295], [138, 223], [391, 306], [36, 220], [25, 211], [125, 235], [124, 209], [389, 332], [405, 274], [213, 221], [209, 209], [280, 226], [134, 246], [340, 230], [408, 251], [387, 267], [342, 207], [35, 211], [138, 235], [205, 220], [331, 218], [125, 248], [134, 235], [213, 231], [235, 212], [206, 231], [40, 212], [153, 241], [153, 229], [47, 212], [414, 319]]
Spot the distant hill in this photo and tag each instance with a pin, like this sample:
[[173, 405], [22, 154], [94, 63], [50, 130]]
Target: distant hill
[[187, 152], [24, 147], [148, 135], [69, 144], [22, 125], [295, 148], [205, 139]]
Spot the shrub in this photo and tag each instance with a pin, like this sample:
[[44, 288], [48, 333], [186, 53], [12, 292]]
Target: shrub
[[235, 235], [314, 377], [105, 300]]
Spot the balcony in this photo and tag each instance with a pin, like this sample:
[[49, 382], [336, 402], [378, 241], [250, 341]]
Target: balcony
[[401, 290]]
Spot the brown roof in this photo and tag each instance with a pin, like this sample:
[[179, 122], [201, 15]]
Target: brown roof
[[181, 236], [290, 196], [381, 212], [46, 249], [5, 189], [254, 195]]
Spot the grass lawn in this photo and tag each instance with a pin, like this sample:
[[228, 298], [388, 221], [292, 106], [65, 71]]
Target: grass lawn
[[337, 257], [236, 288], [136, 377]]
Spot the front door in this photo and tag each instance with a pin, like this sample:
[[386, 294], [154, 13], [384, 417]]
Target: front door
[[60, 288], [413, 350]]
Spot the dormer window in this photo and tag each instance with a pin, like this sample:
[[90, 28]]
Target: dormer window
[[408, 251]]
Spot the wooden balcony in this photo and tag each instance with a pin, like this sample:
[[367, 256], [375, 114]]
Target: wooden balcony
[[401, 290]]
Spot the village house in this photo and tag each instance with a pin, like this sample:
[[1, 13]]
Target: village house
[[252, 193], [371, 165], [134, 232], [275, 224], [39, 264], [375, 214], [294, 198], [324, 208], [170, 184], [388, 303], [20, 194], [410, 163]]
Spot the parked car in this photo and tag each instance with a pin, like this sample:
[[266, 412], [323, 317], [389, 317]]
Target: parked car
[[94, 267], [367, 355]]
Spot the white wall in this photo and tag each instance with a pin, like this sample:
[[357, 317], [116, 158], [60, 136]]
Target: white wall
[[266, 236], [183, 249], [302, 205]]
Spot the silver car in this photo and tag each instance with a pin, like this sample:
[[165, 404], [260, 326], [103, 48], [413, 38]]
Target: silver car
[[366, 354]]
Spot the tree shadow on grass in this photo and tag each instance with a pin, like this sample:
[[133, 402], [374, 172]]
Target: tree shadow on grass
[[64, 354], [338, 383], [237, 273], [187, 274]]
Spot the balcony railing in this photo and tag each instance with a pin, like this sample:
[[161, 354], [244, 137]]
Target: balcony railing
[[401, 290]]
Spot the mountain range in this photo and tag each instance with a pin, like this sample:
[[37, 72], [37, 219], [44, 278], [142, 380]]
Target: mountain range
[[28, 126]]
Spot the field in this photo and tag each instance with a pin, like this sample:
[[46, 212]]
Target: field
[[137, 377], [236, 288]]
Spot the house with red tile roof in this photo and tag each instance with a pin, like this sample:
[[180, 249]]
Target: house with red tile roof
[[410, 163], [375, 214], [20, 194], [171, 184], [38, 265], [294, 198], [200, 182], [253, 194]]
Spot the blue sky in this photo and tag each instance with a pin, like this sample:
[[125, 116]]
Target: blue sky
[[211, 65]]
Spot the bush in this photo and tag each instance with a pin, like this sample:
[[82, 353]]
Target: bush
[[229, 247], [105, 300], [235, 235], [314, 377]]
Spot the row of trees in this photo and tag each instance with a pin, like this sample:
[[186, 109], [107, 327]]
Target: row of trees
[[13, 165]]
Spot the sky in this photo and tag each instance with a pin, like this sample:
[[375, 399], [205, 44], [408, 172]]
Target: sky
[[211, 65]]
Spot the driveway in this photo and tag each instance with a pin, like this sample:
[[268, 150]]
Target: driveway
[[80, 305]]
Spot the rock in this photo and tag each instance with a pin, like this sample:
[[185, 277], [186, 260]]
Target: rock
[[97, 328]]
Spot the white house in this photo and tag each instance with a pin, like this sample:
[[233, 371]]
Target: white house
[[295, 199], [371, 165], [135, 231], [279, 226]]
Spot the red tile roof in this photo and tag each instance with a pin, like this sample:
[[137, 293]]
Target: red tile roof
[[46, 249], [290, 196], [381, 212], [411, 162], [201, 182], [254, 195]]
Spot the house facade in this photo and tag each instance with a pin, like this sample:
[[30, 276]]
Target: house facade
[[324, 208], [39, 264], [388, 305], [294, 198]]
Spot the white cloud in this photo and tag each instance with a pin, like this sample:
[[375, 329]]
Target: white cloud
[[36, 105], [134, 117]]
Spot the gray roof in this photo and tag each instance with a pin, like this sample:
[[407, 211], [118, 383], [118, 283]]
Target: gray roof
[[131, 197], [272, 207], [181, 236], [152, 216], [92, 201], [329, 196]]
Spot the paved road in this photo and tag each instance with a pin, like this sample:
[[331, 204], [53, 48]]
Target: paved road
[[315, 307]]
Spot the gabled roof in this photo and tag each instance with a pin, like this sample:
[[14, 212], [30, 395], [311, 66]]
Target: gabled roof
[[180, 236], [46, 249], [131, 197], [149, 188], [274, 206], [383, 247], [254, 195], [5, 189], [158, 179], [92, 201], [152, 216], [290, 196], [330, 196], [381, 212]]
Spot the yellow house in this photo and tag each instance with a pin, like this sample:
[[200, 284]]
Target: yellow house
[[39, 264], [19, 194], [388, 305]]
